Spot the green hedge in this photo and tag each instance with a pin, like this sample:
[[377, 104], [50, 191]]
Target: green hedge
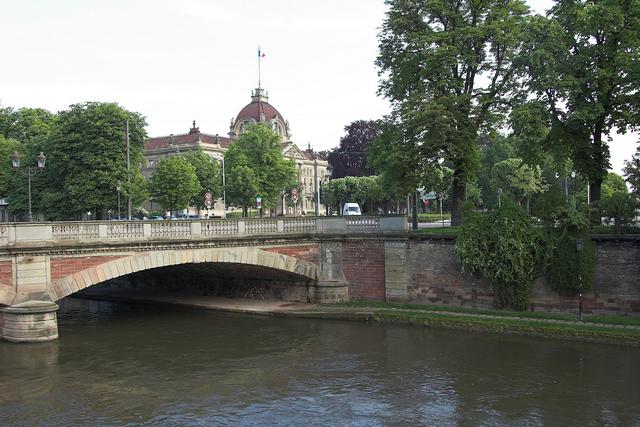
[[238, 214], [431, 217]]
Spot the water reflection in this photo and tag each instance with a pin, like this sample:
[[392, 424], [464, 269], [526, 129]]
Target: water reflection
[[121, 364]]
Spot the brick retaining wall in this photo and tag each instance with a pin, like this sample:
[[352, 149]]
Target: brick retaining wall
[[364, 269], [435, 277]]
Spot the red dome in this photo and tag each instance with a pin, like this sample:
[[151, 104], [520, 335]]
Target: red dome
[[258, 109]]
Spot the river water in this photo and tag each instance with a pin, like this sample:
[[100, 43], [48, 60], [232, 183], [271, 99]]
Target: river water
[[120, 364]]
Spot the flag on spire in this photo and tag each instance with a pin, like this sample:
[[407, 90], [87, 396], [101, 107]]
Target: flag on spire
[[260, 53]]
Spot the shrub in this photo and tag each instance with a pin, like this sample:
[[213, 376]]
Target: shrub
[[569, 253], [431, 217], [505, 247]]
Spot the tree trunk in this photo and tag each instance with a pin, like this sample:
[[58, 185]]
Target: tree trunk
[[595, 187], [457, 196], [618, 224], [601, 163]]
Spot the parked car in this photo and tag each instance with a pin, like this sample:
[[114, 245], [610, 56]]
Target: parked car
[[156, 218], [187, 216], [351, 209]]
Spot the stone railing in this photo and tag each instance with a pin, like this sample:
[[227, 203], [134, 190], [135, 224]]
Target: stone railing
[[12, 234]]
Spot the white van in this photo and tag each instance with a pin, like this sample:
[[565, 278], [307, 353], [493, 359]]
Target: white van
[[351, 209]]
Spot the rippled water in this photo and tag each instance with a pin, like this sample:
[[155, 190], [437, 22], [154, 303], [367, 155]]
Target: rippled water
[[118, 364]]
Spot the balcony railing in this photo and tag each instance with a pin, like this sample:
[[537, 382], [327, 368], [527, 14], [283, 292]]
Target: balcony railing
[[12, 234]]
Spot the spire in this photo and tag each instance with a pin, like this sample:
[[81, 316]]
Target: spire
[[194, 129]]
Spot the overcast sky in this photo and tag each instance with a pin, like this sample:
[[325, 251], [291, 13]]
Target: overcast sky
[[178, 61]]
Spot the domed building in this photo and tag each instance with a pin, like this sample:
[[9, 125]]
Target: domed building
[[311, 170], [260, 111]]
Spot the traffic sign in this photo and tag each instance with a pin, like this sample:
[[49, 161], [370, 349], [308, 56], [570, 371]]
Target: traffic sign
[[208, 199], [294, 192], [429, 196]]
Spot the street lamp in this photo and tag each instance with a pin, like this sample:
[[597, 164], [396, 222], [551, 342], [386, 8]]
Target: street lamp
[[579, 246], [573, 183], [565, 186], [224, 191], [327, 176], [440, 196], [118, 189], [28, 171]]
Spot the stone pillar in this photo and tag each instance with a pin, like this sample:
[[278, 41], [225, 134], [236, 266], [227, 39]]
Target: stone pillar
[[30, 321], [32, 276], [332, 284], [395, 271]]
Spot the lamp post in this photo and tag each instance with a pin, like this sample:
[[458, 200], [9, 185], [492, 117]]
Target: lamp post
[[29, 171], [118, 188], [579, 246], [327, 176], [224, 191], [573, 183], [440, 196]]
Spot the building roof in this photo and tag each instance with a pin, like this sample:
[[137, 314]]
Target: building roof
[[192, 138], [257, 110]]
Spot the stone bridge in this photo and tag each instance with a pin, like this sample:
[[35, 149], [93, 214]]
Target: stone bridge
[[45, 262]]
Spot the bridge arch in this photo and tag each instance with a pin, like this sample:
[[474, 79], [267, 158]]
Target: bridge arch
[[136, 262]]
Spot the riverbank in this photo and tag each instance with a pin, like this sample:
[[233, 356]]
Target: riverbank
[[536, 324], [611, 329]]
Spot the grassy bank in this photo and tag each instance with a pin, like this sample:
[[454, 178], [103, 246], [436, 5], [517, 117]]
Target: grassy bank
[[611, 329]]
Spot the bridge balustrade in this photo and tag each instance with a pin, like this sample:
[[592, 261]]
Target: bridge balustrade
[[25, 233]]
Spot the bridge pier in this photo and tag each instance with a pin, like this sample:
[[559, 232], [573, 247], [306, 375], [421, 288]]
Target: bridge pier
[[30, 321], [332, 285]]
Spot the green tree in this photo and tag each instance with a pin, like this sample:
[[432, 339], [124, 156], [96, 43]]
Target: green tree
[[516, 178], [174, 183], [259, 149], [26, 131], [7, 121], [613, 183], [632, 172], [448, 69], [7, 147], [616, 201], [495, 150], [86, 157], [396, 160], [621, 206], [584, 65], [208, 173], [242, 187], [26, 124]]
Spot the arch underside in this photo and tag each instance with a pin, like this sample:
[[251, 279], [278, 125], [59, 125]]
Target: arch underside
[[269, 261]]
